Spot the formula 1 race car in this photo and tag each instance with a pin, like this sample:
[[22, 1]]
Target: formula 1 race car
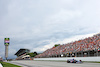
[[74, 61]]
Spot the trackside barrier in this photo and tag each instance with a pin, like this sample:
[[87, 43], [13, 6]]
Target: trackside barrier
[[77, 58]]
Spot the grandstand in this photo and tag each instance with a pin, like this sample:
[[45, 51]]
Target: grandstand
[[22, 54], [82, 48]]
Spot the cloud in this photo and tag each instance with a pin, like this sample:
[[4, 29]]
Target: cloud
[[38, 25], [64, 41], [62, 17]]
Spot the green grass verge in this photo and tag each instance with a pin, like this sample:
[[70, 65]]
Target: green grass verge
[[4, 64]]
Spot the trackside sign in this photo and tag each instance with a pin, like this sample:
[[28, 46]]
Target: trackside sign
[[6, 41]]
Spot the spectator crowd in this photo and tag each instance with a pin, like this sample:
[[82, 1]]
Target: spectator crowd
[[87, 44]]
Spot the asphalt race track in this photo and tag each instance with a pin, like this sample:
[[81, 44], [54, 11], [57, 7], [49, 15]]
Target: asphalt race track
[[27, 63]]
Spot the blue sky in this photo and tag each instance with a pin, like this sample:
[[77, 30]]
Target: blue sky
[[39, 24]]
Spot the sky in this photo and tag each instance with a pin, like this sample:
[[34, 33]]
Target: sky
[[40, 24]]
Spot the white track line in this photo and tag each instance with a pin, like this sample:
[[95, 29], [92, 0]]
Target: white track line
[[1, 65]]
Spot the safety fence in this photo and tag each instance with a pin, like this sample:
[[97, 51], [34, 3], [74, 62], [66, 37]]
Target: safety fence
[[77, 58]]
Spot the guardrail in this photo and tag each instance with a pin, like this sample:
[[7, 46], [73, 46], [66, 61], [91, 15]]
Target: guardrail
[[77, 58]]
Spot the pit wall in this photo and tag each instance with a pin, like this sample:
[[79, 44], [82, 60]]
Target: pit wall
[[77, 58]]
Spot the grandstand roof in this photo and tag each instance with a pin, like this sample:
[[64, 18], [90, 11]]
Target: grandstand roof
[[22, 50]]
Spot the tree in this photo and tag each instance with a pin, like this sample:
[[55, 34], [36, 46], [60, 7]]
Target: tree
[[35, 53], [32, 54], [56, 45]]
